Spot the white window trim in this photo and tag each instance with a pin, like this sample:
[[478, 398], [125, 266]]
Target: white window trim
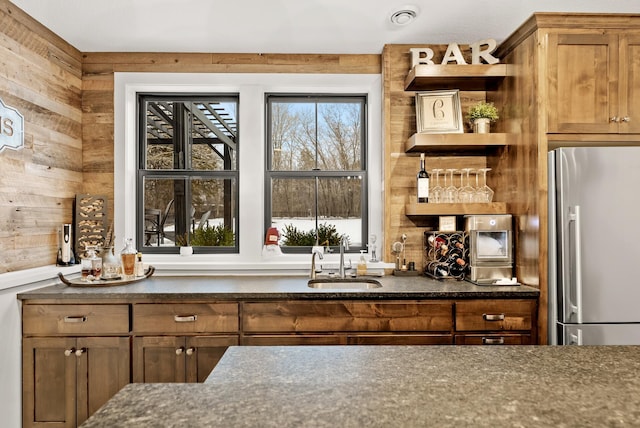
[[252, 89]]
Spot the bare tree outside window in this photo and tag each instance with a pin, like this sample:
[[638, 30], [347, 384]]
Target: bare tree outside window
[[316, 169]]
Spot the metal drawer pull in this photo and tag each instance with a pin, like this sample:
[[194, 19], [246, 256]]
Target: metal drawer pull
[[81, 318], [190, 351], [185, 318], [493, 317], [493, 340]]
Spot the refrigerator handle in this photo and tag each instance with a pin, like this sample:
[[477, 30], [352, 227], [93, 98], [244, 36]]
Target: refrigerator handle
[[575, 338], [577, 307]]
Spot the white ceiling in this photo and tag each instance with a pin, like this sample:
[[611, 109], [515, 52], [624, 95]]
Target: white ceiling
[[288, 26]]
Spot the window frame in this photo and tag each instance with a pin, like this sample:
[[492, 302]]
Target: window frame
[[182, 173], [251, 87], [271, 174]]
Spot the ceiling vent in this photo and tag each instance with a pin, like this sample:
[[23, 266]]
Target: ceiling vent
[[404, 16]]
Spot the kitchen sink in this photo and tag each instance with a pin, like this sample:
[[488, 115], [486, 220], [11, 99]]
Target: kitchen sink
[[346, 283]]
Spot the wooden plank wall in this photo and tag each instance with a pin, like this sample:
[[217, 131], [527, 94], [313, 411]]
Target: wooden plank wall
[[40, 76], [98, 85], [400, 168], [67, 100]]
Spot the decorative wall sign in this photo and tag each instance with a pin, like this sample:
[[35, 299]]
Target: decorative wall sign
[[91, 221], [11, 128], [438, 112], [480, 51]]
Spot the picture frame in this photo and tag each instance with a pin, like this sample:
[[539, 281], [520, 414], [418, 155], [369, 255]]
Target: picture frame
[[439, 112]]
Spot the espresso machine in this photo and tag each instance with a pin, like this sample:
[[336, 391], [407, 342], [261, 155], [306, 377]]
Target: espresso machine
[[490, 248]]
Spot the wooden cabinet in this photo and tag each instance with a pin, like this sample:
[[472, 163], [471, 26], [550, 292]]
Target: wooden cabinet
[[347, 322], [177, 358], [485, 321], [181, 342], [493, 339], [496, 322], [594, 82], [77, 356], [68, 376], [184, 318]]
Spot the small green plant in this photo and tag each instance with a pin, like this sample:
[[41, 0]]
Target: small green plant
[[327, 235], [483, 110], [213, 236]]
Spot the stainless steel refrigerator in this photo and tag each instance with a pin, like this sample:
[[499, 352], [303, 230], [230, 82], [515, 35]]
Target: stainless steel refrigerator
[[594, 246]]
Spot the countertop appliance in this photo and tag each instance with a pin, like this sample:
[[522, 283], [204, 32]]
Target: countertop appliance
[[594, 246], [490, 248]]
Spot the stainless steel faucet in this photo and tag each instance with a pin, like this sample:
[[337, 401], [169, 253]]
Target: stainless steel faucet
[[344, 245], [313, 262]]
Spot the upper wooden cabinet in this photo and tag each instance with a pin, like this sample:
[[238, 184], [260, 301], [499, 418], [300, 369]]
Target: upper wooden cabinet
[[594, 82]]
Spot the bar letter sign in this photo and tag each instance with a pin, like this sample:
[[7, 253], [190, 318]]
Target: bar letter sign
[[11, 128]]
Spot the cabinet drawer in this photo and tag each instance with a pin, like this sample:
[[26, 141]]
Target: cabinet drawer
[[492, 315], [400, 339], [75, 319], [346, 316], [185, 318], [493, 339], [294, 339]]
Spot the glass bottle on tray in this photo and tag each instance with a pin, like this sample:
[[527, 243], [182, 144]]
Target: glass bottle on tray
[[110, 264], [128, 256], [91, 265]]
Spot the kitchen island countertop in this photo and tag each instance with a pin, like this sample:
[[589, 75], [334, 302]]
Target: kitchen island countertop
[[400, 386], [276, 287]]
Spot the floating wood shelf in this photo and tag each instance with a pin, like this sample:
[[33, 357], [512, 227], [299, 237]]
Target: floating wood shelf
[[473, 77], [416, 209], [460, 142]]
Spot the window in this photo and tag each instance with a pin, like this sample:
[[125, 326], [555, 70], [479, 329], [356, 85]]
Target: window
[[187, 172], [246, 201], [316, 175]]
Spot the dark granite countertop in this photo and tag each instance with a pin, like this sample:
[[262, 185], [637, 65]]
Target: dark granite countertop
[[395, 386], [276, 287]]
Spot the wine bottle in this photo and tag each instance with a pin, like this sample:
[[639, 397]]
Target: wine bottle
[[423, 182]]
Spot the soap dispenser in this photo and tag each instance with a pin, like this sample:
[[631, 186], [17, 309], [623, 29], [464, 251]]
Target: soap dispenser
[[362, 264]]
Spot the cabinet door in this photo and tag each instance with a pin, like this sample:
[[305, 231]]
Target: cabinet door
[[630, 83], [583, 83], [49, 380], [103, 367], [159, 359], [203, 353]]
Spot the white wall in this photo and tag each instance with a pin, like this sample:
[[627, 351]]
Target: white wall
[[11, 285]]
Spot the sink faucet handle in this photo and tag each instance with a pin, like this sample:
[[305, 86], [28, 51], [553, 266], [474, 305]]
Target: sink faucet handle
[[316, 249]]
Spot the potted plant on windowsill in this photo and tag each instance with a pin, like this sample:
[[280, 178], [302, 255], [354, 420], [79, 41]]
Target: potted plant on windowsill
[[185, 247], [481, 115]]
